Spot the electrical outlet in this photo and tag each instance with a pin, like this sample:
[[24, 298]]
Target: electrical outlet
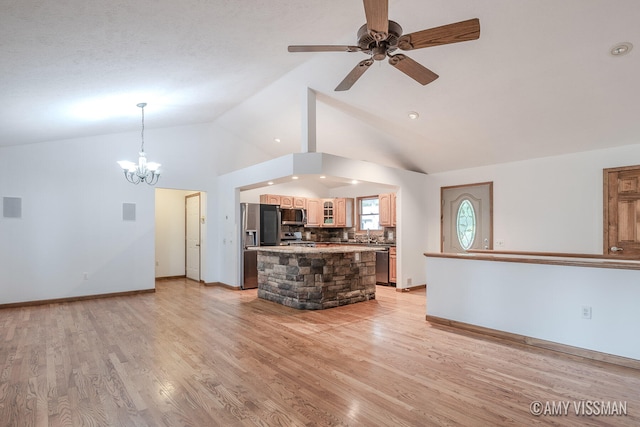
[[85, 276], [586, 312], [500, 243], [409, 281]]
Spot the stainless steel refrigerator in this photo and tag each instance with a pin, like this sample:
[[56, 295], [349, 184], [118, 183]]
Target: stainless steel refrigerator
[[259, 226]]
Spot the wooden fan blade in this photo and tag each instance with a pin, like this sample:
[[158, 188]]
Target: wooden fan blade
[[452, 33], [323, 48], [354, 75], [377, 13], [412, 69]]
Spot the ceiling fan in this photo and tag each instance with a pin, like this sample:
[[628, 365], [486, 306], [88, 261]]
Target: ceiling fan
[[379, 37]]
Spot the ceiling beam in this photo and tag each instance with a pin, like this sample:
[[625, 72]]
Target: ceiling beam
[[308, 121]]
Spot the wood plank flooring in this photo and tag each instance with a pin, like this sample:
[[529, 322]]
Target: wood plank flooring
[[190, 355]]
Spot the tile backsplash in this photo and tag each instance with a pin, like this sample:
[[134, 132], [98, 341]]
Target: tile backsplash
[[342, 235]]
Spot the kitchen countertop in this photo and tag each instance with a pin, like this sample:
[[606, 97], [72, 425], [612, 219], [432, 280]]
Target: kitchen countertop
[[341, 248], [357, 244]]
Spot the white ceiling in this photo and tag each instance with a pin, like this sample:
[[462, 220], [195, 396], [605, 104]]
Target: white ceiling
[[540, 80]]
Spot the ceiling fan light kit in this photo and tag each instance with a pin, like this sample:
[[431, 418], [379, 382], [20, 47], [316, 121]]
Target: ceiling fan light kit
[[380, 37]]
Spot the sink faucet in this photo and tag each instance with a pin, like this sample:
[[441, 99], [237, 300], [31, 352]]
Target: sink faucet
[[368, 238]]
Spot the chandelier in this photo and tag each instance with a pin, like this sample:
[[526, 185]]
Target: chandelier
[[143, 171]]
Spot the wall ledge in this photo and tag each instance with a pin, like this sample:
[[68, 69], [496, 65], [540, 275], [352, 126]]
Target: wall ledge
[[548, 258]]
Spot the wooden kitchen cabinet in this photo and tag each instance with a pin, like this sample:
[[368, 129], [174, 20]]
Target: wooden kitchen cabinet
[[393, 209], [270, 199], [314, 212], [344, 212], [328, 213], [340, 212], [392, 265], [387, 205], [286, 202], [384, 203], [300, 202]]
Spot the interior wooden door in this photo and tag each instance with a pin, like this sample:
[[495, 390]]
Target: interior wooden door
[[622, 212], [192, 209]]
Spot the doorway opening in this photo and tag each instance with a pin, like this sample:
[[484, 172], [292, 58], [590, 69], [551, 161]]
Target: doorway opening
[[180, 233]]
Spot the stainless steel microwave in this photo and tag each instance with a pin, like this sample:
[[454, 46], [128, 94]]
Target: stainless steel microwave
[[293, 216]]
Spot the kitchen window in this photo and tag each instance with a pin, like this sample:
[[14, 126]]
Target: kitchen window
[[368, 213]]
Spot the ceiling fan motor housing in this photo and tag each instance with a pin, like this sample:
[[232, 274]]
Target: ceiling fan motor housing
[[379, 50]]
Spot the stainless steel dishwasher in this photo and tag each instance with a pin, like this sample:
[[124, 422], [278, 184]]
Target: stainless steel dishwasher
[[382, 267]]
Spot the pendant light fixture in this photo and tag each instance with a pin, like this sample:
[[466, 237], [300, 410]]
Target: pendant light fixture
[[143, 171]]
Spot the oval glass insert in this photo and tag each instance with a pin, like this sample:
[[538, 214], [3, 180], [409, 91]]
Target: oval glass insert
[[466, 224]]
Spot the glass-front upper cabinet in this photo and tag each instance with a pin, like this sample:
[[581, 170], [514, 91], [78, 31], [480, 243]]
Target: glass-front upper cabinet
[[328, 212]]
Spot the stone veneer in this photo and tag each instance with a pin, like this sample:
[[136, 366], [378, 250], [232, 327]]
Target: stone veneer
[[315, 280]]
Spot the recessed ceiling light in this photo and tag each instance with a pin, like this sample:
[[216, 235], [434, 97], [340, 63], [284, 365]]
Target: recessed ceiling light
[[355, 181], [621, 49], [322, 177], [276, 139], [294, 177], [413, 115], [270, 183]]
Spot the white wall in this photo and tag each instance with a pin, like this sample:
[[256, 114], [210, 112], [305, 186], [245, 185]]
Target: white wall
[[72, 194], [551, 204], [361, 189], [540, 301]]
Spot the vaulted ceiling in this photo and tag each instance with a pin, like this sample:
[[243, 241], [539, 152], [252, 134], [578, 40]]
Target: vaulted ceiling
[[539, 81]]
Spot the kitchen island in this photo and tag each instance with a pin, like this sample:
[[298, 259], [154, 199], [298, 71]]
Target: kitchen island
[[315, 278]]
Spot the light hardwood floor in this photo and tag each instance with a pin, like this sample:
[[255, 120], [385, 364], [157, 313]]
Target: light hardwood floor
[[190, 355]]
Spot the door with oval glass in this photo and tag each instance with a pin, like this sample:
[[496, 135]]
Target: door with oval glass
[[466, 217]]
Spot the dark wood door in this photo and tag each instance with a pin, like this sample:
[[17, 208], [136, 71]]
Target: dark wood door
[[622, 212]]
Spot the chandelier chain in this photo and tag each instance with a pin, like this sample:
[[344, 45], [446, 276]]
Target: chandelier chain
[[142, 105], [143, 171]]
